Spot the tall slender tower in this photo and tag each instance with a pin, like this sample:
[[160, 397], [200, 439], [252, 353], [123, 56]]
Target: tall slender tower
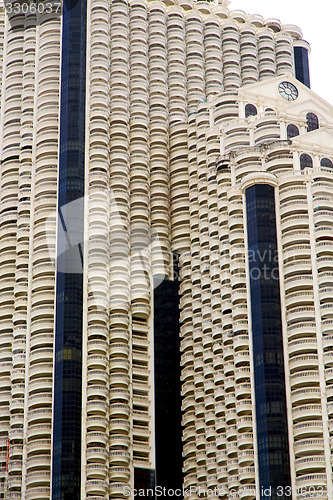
[[166, 258]]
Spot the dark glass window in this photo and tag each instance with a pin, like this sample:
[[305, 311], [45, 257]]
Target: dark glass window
[[301, 56], [250, 110], [292, 131], [268, 361], [326, 162], [268, 109], [306, 161], [312, 122]]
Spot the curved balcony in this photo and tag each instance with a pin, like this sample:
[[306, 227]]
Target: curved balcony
[[244, 424], [96, 471], [96, 439], [305, 346], [247, 491], [96, 487], [246, 475], [301, 330], [308, 429], [40, 461], [231, 432], [303, 362], [328, 359], [304, 379], [241, 358], [38, 493], [244, 407], [329, 375], [39, 415], [221, 441], [327, 327], [38, 478], [96, 423], [116, 490], [309, 447], [242, 374], [39, 431], [245, 440], [311, 395], [233, 482], [243, 391], [307, 412], [310, 464], [246, 458], [119, 474]]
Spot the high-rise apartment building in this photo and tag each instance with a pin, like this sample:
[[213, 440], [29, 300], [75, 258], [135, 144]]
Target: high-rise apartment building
[[166, 254]]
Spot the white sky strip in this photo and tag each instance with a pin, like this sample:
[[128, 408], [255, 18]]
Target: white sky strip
[[315, 22]]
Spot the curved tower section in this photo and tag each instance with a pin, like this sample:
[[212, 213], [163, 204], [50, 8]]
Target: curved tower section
[[133, 136], [67, 386]]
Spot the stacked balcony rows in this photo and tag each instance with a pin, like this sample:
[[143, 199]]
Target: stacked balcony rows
[[323, 232], [96, 452], [29, 175], [39, 365], [119, 250], [151, 45], [146, 28], [178, 54], [218, 425], [299, 285], [303, 348], [2, 29], [255, 145], [12, 366], [159, 138]]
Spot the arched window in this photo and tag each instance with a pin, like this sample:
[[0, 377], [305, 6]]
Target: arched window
[[306, 161], [268, 109], [250, 110], [326, 162], [292, 131], [312, 122]]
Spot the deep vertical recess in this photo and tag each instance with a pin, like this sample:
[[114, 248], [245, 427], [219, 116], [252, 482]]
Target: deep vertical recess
[[301, 56], [168, 431], [144, 480], [66, 471], [269, 375]]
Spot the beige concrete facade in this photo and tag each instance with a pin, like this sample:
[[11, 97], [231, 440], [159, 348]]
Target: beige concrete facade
[[169, 154], [232, 153]]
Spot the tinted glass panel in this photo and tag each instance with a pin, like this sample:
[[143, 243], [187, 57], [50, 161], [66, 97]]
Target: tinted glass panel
[[66, 468], [144, 483], [302, 65], [168, 431], [269, 378]]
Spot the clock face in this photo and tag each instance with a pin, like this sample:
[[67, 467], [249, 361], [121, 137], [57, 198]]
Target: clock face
[[288, 91]]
